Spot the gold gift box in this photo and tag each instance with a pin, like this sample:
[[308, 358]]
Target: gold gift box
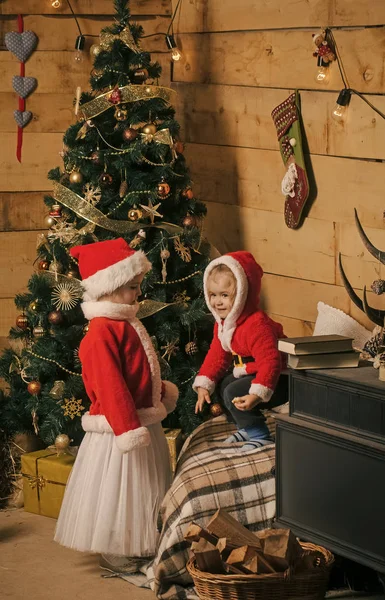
[[175, 441], [44, 479]]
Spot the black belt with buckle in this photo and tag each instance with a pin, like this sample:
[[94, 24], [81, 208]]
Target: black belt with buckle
[[240, 361]]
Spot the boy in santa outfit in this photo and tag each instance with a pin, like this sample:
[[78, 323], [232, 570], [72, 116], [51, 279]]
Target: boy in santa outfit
[[242, 332], [122, 470]]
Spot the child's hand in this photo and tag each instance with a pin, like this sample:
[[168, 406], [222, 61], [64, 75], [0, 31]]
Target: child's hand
[[203, 396], [246, 402]]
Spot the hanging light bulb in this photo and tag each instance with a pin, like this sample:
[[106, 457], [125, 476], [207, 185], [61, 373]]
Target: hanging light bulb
[[56, 3], [322, 74], [176, 54], [341, 107], [79, 47]]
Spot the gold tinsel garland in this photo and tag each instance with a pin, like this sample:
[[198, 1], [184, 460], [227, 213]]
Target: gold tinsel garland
[[129, 93], [86, 211]]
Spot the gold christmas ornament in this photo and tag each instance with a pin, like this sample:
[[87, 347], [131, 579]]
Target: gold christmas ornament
[[62, 442], [216, 410], [34, 388], [22, 322], [181, 298], [76, 177], [43, 265], [92, 193], [72, 274], [72, 407], [49, 221], [34, 305], [57, 390], [170, 349], [189, 221], [38, 331], [123, 189], [65, 296], [163, 189], [129, 134], [134, 214], [164, 255], [149, 129], [95, 50], [120, 114], [86, 328]]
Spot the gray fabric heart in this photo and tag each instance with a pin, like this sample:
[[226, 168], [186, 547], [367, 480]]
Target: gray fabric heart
[[21, 44], [22, 118], [24, 86]]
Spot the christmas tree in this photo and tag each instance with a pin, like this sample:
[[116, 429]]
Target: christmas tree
[[124, 175]]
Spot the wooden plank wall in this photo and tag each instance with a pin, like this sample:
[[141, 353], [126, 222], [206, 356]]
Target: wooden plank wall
[[22, 186], [240, 61]]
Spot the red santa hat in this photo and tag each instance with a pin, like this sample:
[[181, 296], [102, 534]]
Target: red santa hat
[[106, 266]]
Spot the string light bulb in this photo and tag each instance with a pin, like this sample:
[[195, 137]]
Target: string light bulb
[[341, 107], [176, 54], [56, 3], [79, 47], [322, 74]]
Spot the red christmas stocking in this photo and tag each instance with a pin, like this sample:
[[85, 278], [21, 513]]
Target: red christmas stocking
[[295, 185]]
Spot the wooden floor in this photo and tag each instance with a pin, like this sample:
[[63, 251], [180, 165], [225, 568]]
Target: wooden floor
[[34, 567]]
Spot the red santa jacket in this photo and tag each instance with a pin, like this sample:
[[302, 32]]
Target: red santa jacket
[[246, 331], [121, 375]]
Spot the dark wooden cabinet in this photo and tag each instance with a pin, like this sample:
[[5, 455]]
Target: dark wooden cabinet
[[330, 468]]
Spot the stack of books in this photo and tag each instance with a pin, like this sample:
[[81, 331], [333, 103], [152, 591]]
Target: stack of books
[[319, 352]]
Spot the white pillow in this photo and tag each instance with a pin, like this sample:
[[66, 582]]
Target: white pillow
[[332, 320]]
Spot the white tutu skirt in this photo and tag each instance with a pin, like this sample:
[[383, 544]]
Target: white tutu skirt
[[112, 500]]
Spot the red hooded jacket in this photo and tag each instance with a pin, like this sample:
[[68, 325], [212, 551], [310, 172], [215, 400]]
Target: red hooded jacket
[[246, 331]]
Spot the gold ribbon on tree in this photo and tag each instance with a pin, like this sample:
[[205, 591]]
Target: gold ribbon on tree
[[150, 307], [107, 39], [162, 136], [85, 210], [129, 93]]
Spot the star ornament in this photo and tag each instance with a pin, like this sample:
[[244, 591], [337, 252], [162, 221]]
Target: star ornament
[[151, 211], [65, 296], [72, 407]]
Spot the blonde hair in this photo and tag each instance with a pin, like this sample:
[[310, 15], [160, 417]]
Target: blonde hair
[[222, 269]]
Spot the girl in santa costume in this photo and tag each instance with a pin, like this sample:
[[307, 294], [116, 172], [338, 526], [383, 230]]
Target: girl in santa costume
[[122, 470], [244, 333]]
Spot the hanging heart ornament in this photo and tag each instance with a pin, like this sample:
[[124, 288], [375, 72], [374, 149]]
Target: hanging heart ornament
[[24, 86], [22, 117], [21, 44]]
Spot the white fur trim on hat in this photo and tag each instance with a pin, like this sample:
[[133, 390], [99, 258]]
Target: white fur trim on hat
[[262, 391], [239, 372], [136, 438], [170, 396], [203, 382], [227, 328], [112, 310], [111, 278]]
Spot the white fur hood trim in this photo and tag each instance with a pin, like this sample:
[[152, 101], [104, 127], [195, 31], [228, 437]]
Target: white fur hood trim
[[111, 310]]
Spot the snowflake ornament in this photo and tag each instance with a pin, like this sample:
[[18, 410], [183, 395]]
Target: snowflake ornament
[[65, 296], [72, 407], [183, 251], [92, 194]]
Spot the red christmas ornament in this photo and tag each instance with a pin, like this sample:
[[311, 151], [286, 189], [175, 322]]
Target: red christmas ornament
[[55, 211], [22, 322], [216, 410], [115, 96], [43, 265], [163, 189], [105, 179], [34, 388], [188, 193], [129, 134], [55, 317]]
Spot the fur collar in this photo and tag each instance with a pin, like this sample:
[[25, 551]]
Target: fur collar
[[111, 310]]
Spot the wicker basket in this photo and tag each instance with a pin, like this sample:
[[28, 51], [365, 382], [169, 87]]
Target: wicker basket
[[277, 586]]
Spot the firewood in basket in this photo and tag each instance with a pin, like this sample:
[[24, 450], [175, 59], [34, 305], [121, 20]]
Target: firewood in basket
[[280, 547], [224, 548], [195, 532], [233, 570], [224, 525], [207, 557], [240, 556], [251, 566]]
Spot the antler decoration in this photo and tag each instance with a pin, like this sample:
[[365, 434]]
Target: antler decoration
[[374, 314]]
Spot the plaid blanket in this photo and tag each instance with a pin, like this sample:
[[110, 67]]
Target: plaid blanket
[[210, 475]]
